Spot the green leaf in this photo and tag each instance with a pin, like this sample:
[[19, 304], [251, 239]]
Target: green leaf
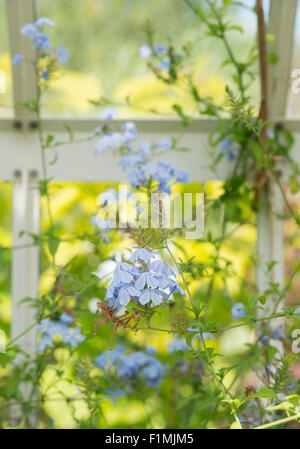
[[69, 131], [49, 140], [54, 160], [31, 105], [43, 187], [273, 58], [256, 149], [262, 299], [178, 109], [233, 403], [236, 28], [226, 3], [263, 393], [285, 405], [53, 244], [271, 37]]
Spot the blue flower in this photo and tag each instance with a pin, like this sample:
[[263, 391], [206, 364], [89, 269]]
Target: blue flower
[[136, 365], [231, 155], [145, 148], [110, 196], [109, 141], [17, 59], [292, 385], [131, 160], [207, 335], [108, 114], [177, 345], [165, 143], [265, 372], [137, 177], [197, 336], [108, 359], [126, 293], [41, 40], [145, 51], [181, 176], [147, 278], [45, 75], [44, 342], [237, 311], [277, 334], [153, 295], [102, 223], [161, 267], [255, 370], [140, 170], [73, 337], [229, 146], [226, 144], [176, 288], [62, 54], [42, 21], [29, 30], [160, 49], [114, 393], [141, 173], [149, 282], [163, 65], [142, 254], [153, 373], [124, 272], [161, 171], [150, 350], [65, 318], [130, 131], [52, 328]]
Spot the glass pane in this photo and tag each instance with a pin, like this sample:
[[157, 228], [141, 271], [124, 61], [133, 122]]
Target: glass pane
[[104, 38], [293, 105], [6, 109]]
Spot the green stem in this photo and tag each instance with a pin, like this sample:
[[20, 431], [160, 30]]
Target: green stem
[[209, 363], [218, 381], [280, 421], [221, 329], [180, 273]]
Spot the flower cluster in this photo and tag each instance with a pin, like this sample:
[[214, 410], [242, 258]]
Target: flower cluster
[[50, 329], [177, 345], [230, 148], [142, 171], [110, 138], [46, 59], [143, 281], [137, 162], [137, 365]]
